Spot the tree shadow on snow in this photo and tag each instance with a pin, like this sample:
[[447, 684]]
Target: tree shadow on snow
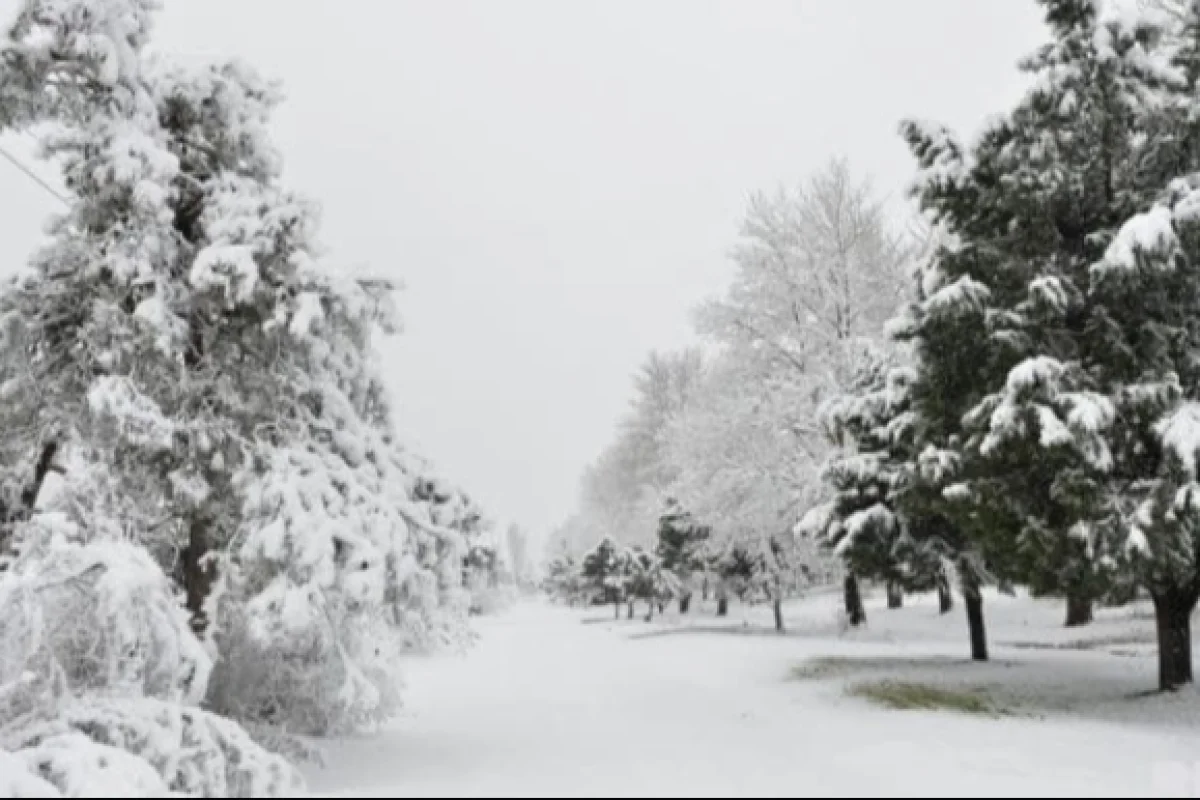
[[763, 631], [707, 630]]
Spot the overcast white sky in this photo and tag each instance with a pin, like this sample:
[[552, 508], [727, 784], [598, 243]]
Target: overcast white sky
[[558, 181]]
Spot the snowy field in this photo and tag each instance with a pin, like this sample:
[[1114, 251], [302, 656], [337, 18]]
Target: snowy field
[[569, 702]]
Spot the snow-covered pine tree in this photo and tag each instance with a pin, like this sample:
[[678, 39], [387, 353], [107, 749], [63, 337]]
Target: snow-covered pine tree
[[1069, 186], [603, 574], [1146, 293], [680, 549], [649, 581], [943, 327], [101, 673], [871, 424], [58, 62], [756, 569], [1007, 416], [438, 601], [206, 380], [491, 578], [626, 575], [562, 581], [85, 608], [736, 571]]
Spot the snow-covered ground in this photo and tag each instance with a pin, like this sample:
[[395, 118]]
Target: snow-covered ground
[[568, 702]]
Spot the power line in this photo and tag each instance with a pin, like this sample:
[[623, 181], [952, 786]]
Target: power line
[[32, 175]]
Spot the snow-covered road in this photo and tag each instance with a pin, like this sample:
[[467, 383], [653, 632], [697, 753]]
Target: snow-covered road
[[550, 705]]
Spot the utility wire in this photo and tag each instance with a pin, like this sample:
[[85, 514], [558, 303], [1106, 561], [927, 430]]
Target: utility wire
[[33, 176]]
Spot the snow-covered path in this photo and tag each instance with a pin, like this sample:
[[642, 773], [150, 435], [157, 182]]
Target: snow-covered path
[[547, 705]]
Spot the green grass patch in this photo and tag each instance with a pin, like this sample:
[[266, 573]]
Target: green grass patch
[[818, 669], [826, 667], [921, 697]]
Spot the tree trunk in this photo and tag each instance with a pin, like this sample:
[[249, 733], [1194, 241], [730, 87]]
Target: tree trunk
[[45, 462], [617, 609], [631, 609], [650, 611], [895, 595], [979, 650], [9, 518], [855, 613], [1173, 616], [779, 616], [704, 590], [723, 607], [945, 598], [685, 604], [1079, 611], [973, 600], [198, 576]]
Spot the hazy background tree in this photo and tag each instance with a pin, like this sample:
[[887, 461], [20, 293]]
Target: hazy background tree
[[819, 270]]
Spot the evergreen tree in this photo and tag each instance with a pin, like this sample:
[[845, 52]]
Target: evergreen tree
[[649, 581], [603, 572], [755, 570], [872, 425], [1146, 289], [681, 550], [736, 571], [203, 379], [562, 581], [1014, 415]]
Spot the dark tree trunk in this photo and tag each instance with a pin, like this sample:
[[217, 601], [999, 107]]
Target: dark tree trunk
[[193, 354], [779, 616], [198, 573], [895, 595], [631, 609], [617, 610], [198, 576], [650, 611], [945, 598], [1079, 611], [9, 518], [855, 613], [704, 590], [723, 607], [1173, 616], [979, 649], [973, 600], [685, 604], [45, 462]]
